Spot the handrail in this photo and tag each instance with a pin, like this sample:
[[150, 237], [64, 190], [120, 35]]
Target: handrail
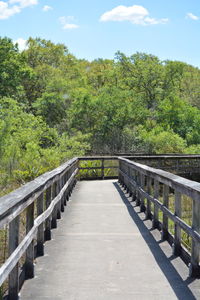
[[44, 197], [139, 181], [98, 171], [16, 198]]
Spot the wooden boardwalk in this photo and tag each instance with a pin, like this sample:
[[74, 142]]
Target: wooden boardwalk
[[102, 250]]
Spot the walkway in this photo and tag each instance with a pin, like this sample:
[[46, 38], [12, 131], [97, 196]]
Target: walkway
[[101, 250]]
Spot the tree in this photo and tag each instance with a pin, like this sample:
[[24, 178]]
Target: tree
[[12, 68]]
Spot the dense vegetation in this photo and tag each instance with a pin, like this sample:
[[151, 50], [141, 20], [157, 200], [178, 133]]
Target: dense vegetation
[[54, 106]]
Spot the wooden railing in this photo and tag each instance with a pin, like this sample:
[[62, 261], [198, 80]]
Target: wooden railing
[[151, 189], [38, 204], [98, 167], [178, 164], [42, 201]]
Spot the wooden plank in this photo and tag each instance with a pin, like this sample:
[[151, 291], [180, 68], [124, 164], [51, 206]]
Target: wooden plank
[[102, 168], [98, 168], [58, 188], [13, 284], [82, 158], [148, 208], [62, 183], [194, 269], [182, 185], [165, 218], [155, 223], [13, 259], [137, 190], [175, 219], [54, 213], [10, 203], [47, 232], [29, 262], [142, 182], [40, 234], [177, 228]]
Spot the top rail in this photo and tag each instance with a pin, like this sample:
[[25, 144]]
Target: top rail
[[154, 185], [11, 202], [183, 185], [38, 204]]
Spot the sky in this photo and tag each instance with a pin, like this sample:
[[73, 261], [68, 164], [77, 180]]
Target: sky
[[94, 29]]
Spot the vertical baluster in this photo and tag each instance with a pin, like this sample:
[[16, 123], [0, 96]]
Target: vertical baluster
[[155, 212], [62, 183], [194, 265], [119, 173], [134, 188], [127, 180], [130, 184], [58, 205], [177, 229], [70, 185], [48, 220], [68, 189], [65, 194], [138, 185], [148, 209], [13, 285], [29, 262], [40, 234], [54, 213], [142, 183], [165, 218], [102, 168]]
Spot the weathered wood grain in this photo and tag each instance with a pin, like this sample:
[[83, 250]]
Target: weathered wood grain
[[180, 186], [13, 259]]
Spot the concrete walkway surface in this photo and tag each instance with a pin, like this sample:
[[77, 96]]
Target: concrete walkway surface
[[102, 250]]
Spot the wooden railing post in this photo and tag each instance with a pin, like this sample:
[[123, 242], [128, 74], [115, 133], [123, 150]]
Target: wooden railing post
[[13, 285], [130, 189], [67, 190], [148, 208], [177, 229], [155, 210], [165, 218], [62, 183], [102, 168], [54, 213], [142, 184], [29, 262], [48, 221], [40, 234], [138, 185], [194, 269], [134, 189], [58, 188]]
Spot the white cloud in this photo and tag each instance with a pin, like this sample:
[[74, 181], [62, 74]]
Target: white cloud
[[24, 3], [67, 22], [191, 16], [70, 26], [135, 14], [6, 11], [47, 8], [22, 44], [12, 7]]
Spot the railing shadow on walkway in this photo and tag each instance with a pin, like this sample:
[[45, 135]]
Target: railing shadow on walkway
[[179, 286]]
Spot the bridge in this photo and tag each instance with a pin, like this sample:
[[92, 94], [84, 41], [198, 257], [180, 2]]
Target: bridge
[[133, 236]]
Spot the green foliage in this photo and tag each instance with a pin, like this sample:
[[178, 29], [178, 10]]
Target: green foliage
[[54, 106], [158, 141]]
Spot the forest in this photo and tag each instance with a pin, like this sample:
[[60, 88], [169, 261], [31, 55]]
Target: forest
[[54, 106]]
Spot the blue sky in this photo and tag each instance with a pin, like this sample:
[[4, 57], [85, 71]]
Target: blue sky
[[99, 28]]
